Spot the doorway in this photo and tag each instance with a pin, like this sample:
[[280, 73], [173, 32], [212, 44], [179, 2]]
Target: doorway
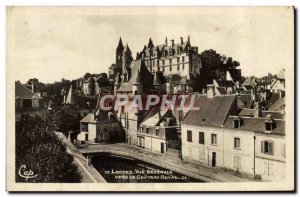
[[213, 159], [162, 147]]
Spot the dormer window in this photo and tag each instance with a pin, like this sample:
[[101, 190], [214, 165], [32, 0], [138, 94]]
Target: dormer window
[[269, 124], [141, 129], [237, 122], [157, 131], [268, 127]]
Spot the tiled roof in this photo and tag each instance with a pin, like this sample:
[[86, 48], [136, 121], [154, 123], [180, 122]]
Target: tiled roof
[[249, 104], [245, 97], [160, 47], [112, 66], [138, 70], [249, 82], [256, 124], [222, 91], [88, 118], [273, 98], [155, 116], [184, 45], [247, 112], [21, 92], [248, 87], [212, 112], [278, 105], [275, 114]]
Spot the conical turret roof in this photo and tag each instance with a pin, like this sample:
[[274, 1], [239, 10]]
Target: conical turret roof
[[120, 47], [156, 80], [150, 43], [127, 49]]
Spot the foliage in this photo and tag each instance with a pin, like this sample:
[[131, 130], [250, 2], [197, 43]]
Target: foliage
[[65, 119], [55, 88], [210, 58], [41, 151], [86, 76], [38, 86]]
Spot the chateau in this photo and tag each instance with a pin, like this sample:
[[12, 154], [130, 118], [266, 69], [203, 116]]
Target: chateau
[[239, 126]]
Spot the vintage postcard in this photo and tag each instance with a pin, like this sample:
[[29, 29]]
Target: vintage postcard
[[150, 99]]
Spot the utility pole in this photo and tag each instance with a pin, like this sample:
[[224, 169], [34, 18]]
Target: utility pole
[[254, 139]]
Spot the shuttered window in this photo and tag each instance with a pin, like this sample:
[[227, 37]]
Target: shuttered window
[[237, 143], [189, 136], [236, 162], [214, 139], [267, 147], [201, 138]]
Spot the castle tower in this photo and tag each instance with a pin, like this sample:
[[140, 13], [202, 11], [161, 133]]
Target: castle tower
[[119, 53], [126, 59]]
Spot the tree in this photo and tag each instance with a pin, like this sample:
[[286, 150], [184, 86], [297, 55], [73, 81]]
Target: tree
[[40, 150], [65, 119], [86, 76], [210, 58]]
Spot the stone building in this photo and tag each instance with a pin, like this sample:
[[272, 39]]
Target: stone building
[[179, 59], [27, 102], [130, 82], [101, 126], [217, 137], [278, 85], [158, 132]]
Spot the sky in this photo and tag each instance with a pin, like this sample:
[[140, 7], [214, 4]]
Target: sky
[[51, 43]]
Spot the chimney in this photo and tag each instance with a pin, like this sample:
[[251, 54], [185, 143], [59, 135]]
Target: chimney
[[211, 91], [188, 39], [258, 109], [172, 41], [281, 94], [181, 40], [196, 49], [89, 106], [253, 94], [32, 86], [166, 41]]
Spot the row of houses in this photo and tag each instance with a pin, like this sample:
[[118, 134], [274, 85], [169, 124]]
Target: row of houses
[[216, 136]]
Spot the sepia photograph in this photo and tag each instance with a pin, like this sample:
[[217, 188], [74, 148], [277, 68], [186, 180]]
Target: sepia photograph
[[150, 99]]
